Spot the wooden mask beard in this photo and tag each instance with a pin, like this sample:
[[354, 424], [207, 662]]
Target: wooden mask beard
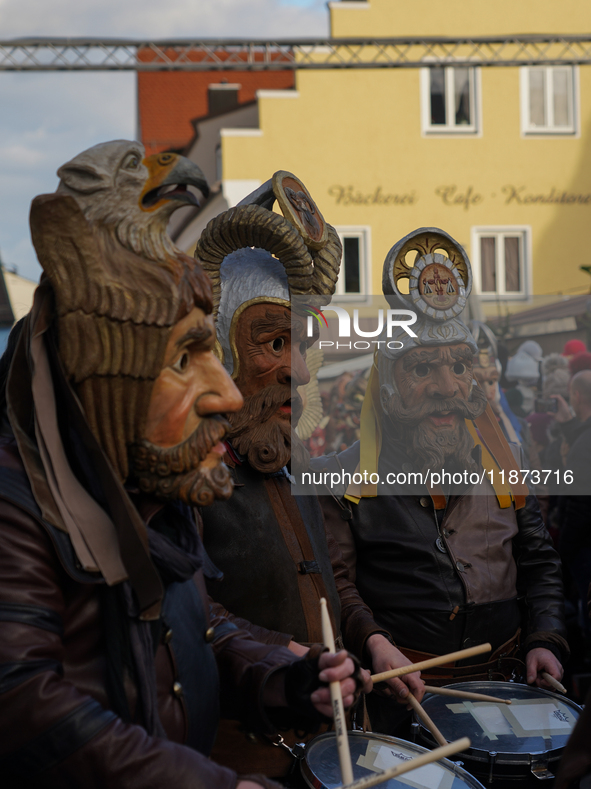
[[436, 450], [184, 471], [266, 441]]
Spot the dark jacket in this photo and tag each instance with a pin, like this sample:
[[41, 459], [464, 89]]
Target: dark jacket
[[449, 580], [576, 758], [57, 725], [575, 534], [278, 561]]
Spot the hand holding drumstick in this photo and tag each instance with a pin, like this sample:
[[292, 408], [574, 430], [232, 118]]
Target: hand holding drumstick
[[384, 657], [543, 668]]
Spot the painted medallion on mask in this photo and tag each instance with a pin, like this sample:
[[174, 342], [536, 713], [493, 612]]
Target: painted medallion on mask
[[299, 208], [438, 286]]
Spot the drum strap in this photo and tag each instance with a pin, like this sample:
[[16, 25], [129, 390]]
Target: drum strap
[[502, 665]]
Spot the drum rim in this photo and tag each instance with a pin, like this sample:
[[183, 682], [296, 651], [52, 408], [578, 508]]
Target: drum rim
[[504, 757], [312, 780]]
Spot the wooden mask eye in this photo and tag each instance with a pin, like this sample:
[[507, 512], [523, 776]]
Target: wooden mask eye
[[181, 363]]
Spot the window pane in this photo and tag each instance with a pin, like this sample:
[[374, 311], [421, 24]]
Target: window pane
[[437, 80], [537, 101], [488, 268], [512, 268], [351, 264], [462, 104], [562, 96]]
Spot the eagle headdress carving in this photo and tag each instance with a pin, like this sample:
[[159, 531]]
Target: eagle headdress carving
[[119, 282]]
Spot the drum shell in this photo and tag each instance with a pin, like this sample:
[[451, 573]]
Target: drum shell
[[510, 767], [316, 779]]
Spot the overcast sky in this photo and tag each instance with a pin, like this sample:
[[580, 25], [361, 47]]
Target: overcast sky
[[46, 119]]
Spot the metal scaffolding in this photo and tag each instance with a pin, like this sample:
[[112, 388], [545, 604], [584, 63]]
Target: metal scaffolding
[[92, 54]]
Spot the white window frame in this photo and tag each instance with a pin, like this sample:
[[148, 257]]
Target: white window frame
[[527, 130], [363, 233], [525, 294], [450, 130]]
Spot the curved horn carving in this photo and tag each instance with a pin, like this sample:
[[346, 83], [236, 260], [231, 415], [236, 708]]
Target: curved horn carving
[[253, 226], [327, 262], [308, 271]]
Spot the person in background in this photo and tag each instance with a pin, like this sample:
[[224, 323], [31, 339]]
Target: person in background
[[487, 372], [547, 437], [572, 348], [524, 369], [581, 361]]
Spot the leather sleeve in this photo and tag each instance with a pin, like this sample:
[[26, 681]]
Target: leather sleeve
[[256, 631], [575, 534], [357, 622], [246, 668], [51, 734], [340, 530], [539, 580]]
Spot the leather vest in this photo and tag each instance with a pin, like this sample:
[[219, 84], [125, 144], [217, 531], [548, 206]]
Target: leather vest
[[414, 570], [271, 547]]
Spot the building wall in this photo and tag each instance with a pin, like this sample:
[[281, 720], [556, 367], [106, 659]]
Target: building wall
[[356, 139], [385, 18], [20, 292]]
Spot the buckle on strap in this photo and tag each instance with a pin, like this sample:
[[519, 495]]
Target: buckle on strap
[[308, 566]]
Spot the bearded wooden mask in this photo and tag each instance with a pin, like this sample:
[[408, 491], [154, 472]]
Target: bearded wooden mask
[[120, 285], [254, 255], [257, 260]]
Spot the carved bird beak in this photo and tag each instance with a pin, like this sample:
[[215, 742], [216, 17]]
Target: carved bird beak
[[169, 176]]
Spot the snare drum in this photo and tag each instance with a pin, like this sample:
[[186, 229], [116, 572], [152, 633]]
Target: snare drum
[[511, 743], [371, 753]]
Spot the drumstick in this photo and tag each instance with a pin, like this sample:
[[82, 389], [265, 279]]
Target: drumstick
[[554, 682], [336, 697], [412, 764], [436, 661], [464, 694], [422, 715]]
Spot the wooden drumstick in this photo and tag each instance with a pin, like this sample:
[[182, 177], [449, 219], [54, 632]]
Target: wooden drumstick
[[554, 682], [462, 654], [464, 694], [422, 715], [420, 761], [336, 697]]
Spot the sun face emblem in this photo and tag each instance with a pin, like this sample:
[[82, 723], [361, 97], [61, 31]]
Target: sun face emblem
[[438, 286]]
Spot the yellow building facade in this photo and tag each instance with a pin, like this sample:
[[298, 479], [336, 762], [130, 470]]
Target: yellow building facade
[[498, 157]]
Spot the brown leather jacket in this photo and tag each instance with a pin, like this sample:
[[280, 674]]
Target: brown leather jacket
[[56, 725]]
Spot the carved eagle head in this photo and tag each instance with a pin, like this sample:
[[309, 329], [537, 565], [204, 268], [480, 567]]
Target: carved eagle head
[[117, 186]]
